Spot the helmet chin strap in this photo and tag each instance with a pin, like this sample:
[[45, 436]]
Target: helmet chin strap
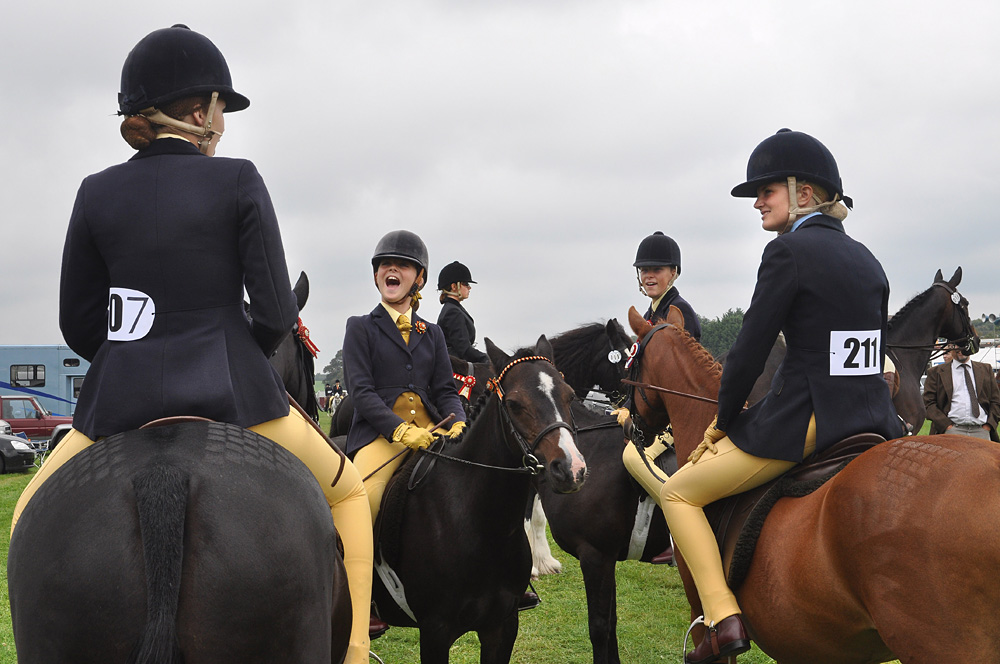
[[206, 132], [794, 211]]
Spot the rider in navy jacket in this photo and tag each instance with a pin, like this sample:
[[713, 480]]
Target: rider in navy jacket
[[829, 296], [379, 366], [184, 231], [810, 282]]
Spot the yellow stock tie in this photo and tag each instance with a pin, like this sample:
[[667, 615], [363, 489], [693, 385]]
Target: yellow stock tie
[[404, 327]]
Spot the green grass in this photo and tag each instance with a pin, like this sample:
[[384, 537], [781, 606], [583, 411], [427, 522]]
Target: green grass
[[652, 612]]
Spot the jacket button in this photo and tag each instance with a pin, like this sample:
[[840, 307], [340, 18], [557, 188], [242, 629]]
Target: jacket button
[[413, 412], [410, 386], [409, 367], [411, 398]]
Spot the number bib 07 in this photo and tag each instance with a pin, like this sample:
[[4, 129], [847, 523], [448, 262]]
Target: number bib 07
[[855, 353], [130, 314]]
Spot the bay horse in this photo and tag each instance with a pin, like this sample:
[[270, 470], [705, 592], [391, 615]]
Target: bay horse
[[459, 552], [199, 542], [294, 359], [891, 558]]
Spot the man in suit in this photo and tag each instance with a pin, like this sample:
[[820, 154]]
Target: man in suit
[[962, 397]]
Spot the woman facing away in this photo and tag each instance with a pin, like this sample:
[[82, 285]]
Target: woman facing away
[[158, 252]]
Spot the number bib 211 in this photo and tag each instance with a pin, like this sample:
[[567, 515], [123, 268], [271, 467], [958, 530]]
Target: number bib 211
[[130, 314], [855, 353]]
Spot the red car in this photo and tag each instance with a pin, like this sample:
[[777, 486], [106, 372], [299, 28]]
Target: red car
[[27, 416]]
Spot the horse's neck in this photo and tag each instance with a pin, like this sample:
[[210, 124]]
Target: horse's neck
[[689, 421], [484, 442], [916, 327]]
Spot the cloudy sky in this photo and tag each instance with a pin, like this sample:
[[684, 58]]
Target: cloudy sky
[[536, 141]]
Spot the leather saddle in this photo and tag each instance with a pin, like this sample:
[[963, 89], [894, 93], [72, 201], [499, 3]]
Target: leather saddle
[[737, 520]]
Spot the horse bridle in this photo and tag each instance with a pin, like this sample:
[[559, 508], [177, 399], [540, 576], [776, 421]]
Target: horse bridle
[[968, 341], [529, 462], [637, 437]]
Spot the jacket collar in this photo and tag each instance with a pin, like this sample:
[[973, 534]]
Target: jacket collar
[[163, 146], [384, 322], [824, 221]]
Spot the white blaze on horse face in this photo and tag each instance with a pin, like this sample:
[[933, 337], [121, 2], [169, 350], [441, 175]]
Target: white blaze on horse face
[[577, 465]]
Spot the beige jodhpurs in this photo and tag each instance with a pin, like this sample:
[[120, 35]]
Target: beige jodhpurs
[[727, 472]]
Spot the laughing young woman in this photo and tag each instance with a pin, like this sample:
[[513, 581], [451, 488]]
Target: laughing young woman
[[397, 368]]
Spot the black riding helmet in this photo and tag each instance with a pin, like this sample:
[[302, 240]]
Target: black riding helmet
[[658, 250], [405, 245], [454, 273], [173, 63], [791, 153]]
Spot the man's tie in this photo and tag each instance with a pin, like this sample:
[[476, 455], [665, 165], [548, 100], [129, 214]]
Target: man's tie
[[972, 391], [404, 327]]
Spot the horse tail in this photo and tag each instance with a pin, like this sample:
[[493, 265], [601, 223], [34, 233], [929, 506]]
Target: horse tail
[[161, 494]]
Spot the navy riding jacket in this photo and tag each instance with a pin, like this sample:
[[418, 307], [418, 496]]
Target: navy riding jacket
[[379, 366], [459, 331], [179, 234], [673, 297], [829, 295]]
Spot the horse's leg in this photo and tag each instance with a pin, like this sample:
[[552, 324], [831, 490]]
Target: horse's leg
[[599, 580], [542, 560], [435, 644], [497, 643]]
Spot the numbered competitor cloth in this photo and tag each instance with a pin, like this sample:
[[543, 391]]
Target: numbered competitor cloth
[[163, 294], [830, 296]]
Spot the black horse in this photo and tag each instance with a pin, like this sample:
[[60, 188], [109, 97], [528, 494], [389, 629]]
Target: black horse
[[459, 553], [610, 519], [293, 360], [198, 542], [940, 311], [593, 356]]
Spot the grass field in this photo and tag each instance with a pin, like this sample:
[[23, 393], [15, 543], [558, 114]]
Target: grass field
[[652, 613]]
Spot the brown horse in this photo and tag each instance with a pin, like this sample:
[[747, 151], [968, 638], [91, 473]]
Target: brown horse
[[895, 557]]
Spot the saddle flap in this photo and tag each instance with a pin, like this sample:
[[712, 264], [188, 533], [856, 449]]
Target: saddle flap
[[737, 520]]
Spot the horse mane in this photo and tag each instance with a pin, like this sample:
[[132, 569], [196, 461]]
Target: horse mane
[[573, 347], [908, 308], [699, 352]]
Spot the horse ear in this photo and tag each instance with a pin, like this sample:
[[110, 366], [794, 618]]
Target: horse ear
[[675, 317], [613, 329], [938, 277], [544, 348], [638, 324], [498, 358], [301, 290], [956, 278]]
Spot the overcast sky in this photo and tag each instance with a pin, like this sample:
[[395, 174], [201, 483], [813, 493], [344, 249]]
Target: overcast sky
[[536, 141]]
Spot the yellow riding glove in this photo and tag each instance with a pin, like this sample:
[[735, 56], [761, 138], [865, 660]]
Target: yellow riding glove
[[412, 436], [456, 430], [712, 436], [622, 415]]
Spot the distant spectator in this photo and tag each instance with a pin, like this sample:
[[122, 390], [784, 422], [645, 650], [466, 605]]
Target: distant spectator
[[962, 397]]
